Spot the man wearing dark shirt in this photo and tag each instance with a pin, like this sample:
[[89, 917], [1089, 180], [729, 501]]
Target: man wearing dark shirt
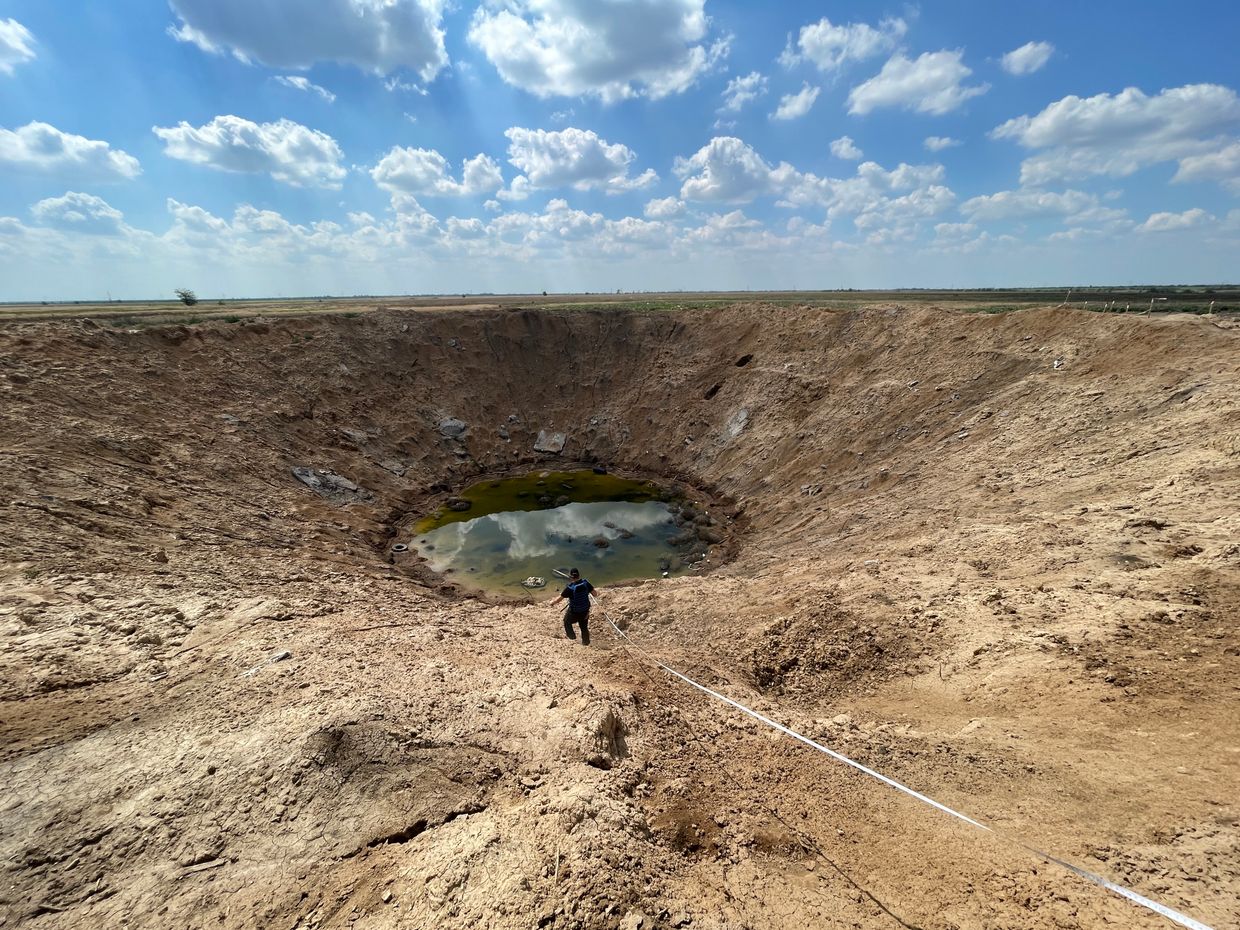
[[577, 593]]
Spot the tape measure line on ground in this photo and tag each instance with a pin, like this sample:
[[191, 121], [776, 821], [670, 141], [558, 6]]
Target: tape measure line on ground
[[1161, 909]]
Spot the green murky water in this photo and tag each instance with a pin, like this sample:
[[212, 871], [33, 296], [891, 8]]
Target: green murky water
[[611, 528]]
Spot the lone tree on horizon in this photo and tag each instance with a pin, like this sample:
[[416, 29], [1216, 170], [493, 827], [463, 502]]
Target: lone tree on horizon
[[187, 297]]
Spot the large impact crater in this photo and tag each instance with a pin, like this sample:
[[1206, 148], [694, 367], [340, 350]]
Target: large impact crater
[[996, 557]]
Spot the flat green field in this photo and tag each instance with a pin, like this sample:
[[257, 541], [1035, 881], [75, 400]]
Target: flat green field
[[1180, 299]]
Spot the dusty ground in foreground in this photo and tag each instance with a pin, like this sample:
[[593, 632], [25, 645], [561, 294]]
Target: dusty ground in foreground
[[996, 557]]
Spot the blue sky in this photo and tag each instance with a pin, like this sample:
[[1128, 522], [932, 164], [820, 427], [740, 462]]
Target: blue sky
[[288, 147]]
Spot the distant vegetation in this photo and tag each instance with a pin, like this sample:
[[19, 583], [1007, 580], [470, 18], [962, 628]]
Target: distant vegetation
[[1222, 300]]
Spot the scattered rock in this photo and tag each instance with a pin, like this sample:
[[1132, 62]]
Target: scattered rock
[[551, 442], [683, 538], [459, 504], [278, 657], [736, 425], [693, 556], [453, 428], [328, 484]]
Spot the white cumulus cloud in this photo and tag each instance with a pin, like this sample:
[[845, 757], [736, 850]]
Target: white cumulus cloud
[[794, 106], [1222, 166], [1027, 59], [380, 36], [1005, 205], [664, 208], [575, 158], [889, 202], [425, 171], [742, 90], [16, 45], [1170, 222], [613, 51], [939, 143], [954, 230], [931, 83], [288, 151], [42, 148], [1117, 134], [726, 170], [845, 148], [519, 189], [297, 82], [830, 47], [79, 213]]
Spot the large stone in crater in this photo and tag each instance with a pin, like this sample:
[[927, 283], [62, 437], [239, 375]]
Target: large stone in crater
[[453, 428], [736, 425], [329, 484], [549, 441]]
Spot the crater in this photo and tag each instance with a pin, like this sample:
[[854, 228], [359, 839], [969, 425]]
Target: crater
[[217, 542]]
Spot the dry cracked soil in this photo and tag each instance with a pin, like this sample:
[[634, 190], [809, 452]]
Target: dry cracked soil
[[995, 557]]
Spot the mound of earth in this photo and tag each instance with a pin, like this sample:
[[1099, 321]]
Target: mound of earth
[[996, 557]]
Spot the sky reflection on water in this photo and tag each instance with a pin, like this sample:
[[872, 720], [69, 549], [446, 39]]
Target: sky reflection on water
[[497, 551]]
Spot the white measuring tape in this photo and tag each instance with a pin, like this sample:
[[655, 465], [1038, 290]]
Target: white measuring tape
[[1182, 919]]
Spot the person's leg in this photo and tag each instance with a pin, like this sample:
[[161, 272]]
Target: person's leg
[[584, 623], [568, 624]]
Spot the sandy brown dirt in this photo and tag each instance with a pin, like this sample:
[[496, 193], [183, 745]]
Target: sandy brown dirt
[[996, 557]]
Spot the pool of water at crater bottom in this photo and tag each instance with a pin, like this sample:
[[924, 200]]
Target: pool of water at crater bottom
[[608, 541]]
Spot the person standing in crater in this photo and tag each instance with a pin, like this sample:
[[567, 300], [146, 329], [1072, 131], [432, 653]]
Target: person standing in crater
[[577, 592]]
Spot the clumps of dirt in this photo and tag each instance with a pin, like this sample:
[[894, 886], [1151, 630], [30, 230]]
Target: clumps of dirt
[[609, 731], [1202, 856], [827, 649], [1155, 643], [689, 831]]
